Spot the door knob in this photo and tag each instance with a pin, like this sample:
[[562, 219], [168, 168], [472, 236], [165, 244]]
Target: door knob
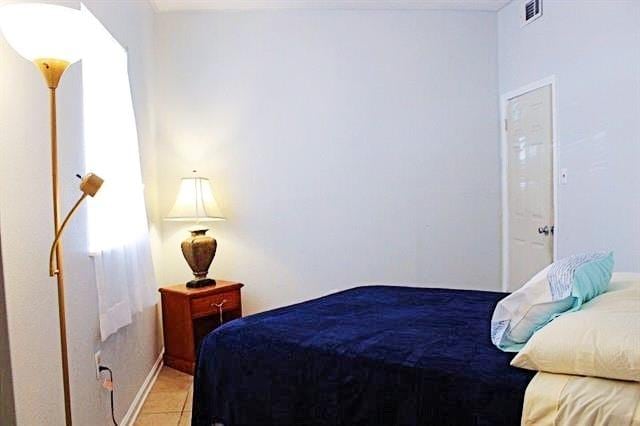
[[546, 230]]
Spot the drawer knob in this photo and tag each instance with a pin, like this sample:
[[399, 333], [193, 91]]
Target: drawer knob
[[219, 306]]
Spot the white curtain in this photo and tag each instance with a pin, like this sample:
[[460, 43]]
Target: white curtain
[[118, 227]]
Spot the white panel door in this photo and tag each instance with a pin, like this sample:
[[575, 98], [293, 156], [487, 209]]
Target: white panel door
[[529, 185]]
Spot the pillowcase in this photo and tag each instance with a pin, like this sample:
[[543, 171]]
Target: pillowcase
[[561, 287], [602, 339]]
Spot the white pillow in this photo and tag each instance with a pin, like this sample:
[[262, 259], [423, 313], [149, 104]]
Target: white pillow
[[561, 287], [520, 312], [601, 340]]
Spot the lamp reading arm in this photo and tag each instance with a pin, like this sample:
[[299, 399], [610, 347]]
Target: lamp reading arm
[[52, 269], [89, 185]]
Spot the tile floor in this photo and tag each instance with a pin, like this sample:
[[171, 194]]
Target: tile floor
[[169, 401]]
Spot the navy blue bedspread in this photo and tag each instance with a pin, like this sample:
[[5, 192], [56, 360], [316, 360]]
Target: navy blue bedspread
[[375, 355]]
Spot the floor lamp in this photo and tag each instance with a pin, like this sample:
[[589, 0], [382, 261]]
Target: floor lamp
[[50, 36]]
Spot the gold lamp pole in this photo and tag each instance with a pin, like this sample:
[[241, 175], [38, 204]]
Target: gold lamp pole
[[52, 70], [50, 37]]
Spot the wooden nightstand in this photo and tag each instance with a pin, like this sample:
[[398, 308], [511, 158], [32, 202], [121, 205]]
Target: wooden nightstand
[[189, 314]]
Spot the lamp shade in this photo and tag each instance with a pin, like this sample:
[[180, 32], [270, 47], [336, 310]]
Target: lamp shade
[[195, 202], [43, 31]]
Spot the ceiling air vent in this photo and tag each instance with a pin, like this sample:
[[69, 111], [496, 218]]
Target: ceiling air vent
[[531, 10]]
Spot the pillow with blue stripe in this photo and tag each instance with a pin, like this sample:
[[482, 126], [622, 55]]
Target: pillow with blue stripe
[[559, 288]]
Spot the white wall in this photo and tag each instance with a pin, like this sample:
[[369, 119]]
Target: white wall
[[594, 52], [344, 147], [26, 231]]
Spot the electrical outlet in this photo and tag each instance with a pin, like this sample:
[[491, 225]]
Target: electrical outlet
[[96, 357]]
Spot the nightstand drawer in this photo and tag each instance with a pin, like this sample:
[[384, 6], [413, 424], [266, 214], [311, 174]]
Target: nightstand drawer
[[207, 305]]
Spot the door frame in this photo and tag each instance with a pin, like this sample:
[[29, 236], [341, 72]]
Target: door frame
[[504, 100]]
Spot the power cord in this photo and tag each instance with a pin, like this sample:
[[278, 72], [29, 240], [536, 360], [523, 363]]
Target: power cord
[[102, 368]]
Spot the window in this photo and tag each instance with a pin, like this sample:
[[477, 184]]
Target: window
[[118, 228]]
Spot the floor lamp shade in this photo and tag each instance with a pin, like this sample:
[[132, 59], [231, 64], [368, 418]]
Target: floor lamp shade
[[43, 31]]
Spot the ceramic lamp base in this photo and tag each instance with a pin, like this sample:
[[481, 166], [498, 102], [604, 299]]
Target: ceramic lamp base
[[199, 250]]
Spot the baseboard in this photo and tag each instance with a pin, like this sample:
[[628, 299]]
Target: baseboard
[[141, 396]]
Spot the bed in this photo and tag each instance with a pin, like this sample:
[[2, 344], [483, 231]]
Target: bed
[[373, 355]]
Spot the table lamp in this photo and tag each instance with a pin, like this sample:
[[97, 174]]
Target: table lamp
[[50, 36], [195, 203]]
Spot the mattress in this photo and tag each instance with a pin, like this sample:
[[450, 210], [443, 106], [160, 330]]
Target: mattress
[[560, 399], [374, 355]]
